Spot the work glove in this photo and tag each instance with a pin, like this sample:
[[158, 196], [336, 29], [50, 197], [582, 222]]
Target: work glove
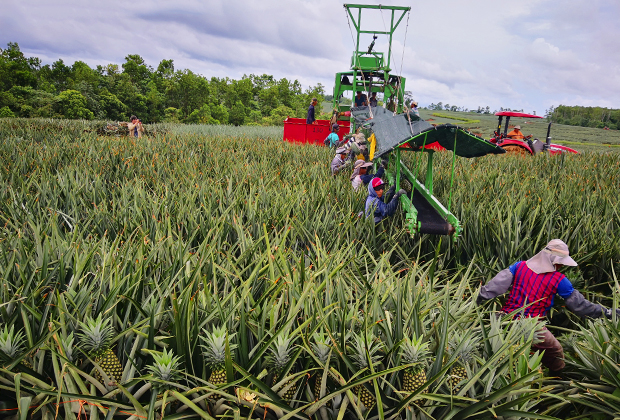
[[609, 313], [401, 192]]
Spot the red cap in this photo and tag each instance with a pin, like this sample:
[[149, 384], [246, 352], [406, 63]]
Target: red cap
[[376, 182]]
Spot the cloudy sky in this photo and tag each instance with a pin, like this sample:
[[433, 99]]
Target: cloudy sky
[[526, 54]]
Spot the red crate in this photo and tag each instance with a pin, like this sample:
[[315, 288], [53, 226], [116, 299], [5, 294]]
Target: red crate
[[297, 131]]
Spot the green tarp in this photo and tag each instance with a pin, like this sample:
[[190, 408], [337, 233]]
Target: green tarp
[[397, 130]]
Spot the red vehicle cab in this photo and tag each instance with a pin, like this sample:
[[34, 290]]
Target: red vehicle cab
[[525, 145]]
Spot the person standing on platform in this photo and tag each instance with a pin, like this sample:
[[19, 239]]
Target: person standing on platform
[[310, 119]]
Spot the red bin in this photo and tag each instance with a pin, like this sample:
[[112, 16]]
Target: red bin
[[297, 131]]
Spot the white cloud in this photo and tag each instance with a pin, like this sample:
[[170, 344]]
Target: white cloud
[[513, 54]]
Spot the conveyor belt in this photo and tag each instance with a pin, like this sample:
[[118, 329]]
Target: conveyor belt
[[430, 220]]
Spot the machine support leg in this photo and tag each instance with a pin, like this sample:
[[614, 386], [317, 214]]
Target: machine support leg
[[429, 173], [397, 169]]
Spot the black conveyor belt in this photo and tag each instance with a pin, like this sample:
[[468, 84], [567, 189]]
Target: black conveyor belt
[[431, 221]]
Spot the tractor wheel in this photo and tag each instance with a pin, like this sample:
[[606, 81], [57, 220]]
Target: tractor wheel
[[515, 150]]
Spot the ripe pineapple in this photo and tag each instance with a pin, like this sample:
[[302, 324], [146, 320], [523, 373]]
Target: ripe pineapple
[[279, 357], [214, 351], [95, 339], [321, 346], [464, 348], [414, 352], [361, 361]]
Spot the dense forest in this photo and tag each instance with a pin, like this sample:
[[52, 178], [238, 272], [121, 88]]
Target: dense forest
[[30, 89], [585, 116]]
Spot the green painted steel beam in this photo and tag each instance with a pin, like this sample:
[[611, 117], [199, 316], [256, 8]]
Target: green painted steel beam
[[378, 6], [433, 201], [411, 215]]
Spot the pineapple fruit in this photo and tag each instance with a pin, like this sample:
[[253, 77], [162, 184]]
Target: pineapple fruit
[[464, 349], [321, 346], [278, 359], [361, 361], [414, 351], [165, 367], [95, 338], [214, 352]]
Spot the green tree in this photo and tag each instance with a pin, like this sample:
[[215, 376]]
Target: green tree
[[201, 115], [172, 114], [72, 104], [5, 112], [138, 71], [278, 115], [16, 69], [220, 113], [237, 114], [111, 107]]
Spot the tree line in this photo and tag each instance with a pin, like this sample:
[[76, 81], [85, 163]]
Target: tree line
[[585, 116], [162, 94]]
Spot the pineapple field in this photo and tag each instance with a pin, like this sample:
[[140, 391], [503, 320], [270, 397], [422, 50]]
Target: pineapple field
[[219, 272]]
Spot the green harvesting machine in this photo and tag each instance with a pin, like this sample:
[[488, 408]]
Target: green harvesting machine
[[394, 129]]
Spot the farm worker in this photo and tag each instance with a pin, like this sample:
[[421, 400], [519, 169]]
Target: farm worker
[[339, 160], [533, 285], [310, 118], [360, 99], [414, 109], [375, 205], [333, 139], [361, 176], [135, 127], [373, 99], [358, 146], [516, 133]]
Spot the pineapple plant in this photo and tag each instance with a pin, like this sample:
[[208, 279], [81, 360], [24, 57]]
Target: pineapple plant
[[360, 360], [12, 344], [414, 351], [165, 367], [214, 352], [321, 347], [463, 348], [278, 359], [95, 337]]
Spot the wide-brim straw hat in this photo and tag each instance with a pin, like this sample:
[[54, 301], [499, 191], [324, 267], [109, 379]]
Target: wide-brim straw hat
[[556, 252], [517, 127], [360, 163]]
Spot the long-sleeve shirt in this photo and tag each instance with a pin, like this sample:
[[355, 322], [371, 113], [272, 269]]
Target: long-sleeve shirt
[[310, 118], [337, 164], [377, 208], [537, 292]]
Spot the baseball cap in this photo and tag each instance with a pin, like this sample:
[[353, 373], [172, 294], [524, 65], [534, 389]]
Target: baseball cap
[[377, 183]]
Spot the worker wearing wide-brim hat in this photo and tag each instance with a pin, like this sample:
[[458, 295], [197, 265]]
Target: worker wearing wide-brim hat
[[533, 285], [362, 173], [339, 160]]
